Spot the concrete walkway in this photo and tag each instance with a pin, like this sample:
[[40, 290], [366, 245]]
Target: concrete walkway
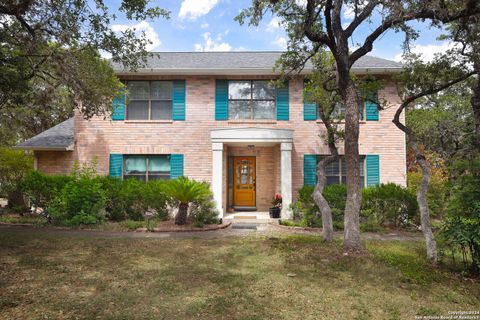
[[262, 230]]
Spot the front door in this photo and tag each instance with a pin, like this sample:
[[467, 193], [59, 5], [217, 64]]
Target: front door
[[244, 182]]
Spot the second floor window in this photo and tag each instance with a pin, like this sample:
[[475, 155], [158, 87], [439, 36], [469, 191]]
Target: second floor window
[[251, 100], [149, 100]]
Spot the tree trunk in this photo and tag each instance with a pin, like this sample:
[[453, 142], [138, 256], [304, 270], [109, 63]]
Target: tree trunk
[[181, 217], [475, 102], [17, 203], [320, 201], [423, 206], [352, 241]]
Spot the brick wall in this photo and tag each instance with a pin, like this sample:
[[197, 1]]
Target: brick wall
[[98, 138]]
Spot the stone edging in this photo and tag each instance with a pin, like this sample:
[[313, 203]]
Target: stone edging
[[294, 228], [210, 228]]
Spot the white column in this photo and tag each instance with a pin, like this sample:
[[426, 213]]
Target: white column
[[286, 178], [217, 176]]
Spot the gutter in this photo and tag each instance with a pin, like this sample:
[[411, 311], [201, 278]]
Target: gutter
[[40, 148]]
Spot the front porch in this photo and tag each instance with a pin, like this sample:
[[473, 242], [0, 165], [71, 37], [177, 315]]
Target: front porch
[[249, 166]]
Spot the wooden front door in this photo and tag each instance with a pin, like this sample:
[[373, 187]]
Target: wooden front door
[[244, 184]]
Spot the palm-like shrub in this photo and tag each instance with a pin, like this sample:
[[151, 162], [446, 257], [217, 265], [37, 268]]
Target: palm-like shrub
[[185, 191]]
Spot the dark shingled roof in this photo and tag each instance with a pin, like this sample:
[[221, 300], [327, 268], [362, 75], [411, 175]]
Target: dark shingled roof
[[59, 137], [237, 60]]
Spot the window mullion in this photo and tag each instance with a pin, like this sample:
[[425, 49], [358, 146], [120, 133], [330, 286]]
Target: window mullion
[[251, 100]]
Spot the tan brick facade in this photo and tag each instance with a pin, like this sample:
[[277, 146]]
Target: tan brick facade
[[98, 138]]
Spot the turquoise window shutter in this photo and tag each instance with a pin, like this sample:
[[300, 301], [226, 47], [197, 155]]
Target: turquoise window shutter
[[310, 169], [116, 165], [178, 111], [118, 106], [309, 111], [283, 103], [221, 100], [373, 169], [176, 166], [371, 108]]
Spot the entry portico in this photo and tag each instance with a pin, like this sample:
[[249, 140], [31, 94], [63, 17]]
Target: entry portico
[[249, 141]]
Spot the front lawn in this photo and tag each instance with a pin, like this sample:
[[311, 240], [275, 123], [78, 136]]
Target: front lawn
[[52, 276]]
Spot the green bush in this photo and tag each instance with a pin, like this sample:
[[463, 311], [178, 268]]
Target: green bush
[[389, 205], [461, 228], [41, 189], [132, 225], [157, 199], [81, 201], [436, 194], [14, 166], [203, 212]]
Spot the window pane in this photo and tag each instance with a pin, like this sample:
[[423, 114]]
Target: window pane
[[137, 110], [339, 111], [158, 165], [138, 177], [161, 110], [362, 166], [333, 180], [135, 164], [138, 90], [162, 90], [332, 169], [158, 176], [239, 90], [239, 110], [263, 109], [263, 90], [344, 166]]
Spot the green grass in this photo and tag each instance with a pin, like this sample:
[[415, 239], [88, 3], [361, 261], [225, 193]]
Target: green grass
[[53, 276]]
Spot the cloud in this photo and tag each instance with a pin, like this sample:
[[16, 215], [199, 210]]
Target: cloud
[[348, 12], [281, 42], [145, 27], [204, 25], [273, 24], [212, 44], [427, 51], [192, 9]]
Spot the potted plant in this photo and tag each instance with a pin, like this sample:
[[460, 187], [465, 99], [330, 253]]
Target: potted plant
[[276, 206]]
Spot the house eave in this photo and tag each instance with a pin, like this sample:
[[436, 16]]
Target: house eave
[[238, 71], [40, 148]]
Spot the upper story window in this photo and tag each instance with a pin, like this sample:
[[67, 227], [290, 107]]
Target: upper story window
[[251, 100], [146, 168], [337, 171], [149, 100]]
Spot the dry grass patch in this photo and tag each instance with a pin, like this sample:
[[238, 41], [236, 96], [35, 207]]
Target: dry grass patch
[[69, 277]]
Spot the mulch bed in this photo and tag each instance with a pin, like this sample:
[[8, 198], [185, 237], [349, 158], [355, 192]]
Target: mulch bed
[[170, 226]]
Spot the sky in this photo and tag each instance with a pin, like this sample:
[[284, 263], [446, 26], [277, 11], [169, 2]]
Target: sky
[[209, 25]]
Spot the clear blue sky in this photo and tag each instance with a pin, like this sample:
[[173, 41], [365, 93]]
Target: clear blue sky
[[208, 25]]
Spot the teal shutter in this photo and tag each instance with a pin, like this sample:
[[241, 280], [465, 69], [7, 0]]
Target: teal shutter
[[310, 169], [178, 108], [118, 107], [176, 166], [309, 111], [116, 165], [221, 100], [283, 103], [373, 169], [371, 108]]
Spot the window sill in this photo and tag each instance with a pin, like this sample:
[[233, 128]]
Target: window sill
[[148, 121], [252, 121]]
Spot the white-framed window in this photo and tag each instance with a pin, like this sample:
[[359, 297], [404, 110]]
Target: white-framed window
[[336, 171], [149, 100], [146, 167], [251, 99]]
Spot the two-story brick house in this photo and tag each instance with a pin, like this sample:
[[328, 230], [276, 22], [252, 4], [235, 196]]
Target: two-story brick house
[[214, 116]]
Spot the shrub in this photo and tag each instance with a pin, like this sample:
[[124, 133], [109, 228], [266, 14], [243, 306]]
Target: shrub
[[14, 166], [132, 225], [461, 228], [81, 201], [156, 198], [183, 192], [437, 191], [389, 205], [203, 212], [41, 189]]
